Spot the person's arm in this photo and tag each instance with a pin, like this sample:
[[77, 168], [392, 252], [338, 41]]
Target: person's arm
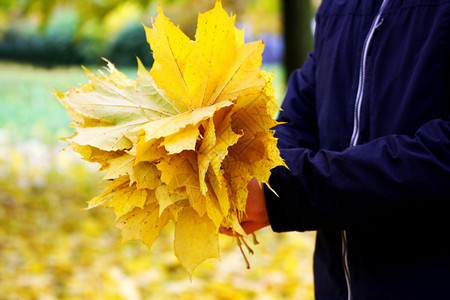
[[391, 181], [299, 110]]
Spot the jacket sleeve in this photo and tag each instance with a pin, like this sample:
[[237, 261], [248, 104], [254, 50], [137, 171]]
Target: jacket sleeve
[[391, 181], [298, 110]]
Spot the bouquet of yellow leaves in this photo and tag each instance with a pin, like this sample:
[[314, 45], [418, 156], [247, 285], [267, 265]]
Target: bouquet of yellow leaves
[[181, 142]]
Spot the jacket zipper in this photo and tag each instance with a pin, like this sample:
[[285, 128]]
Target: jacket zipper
[[356, 125], [362, 74]]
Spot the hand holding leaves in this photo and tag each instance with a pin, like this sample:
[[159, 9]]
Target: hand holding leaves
[[256, 216]]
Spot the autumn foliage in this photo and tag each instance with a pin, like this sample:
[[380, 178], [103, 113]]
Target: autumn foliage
[[182, 141]]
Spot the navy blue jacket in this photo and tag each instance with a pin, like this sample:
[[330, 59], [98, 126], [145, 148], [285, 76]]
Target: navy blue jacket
[[367, 143]]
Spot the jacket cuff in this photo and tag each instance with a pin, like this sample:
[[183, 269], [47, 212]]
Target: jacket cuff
[[283, 208]]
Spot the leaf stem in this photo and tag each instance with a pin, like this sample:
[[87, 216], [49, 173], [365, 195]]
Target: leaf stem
[[238, 239], [255, 241], [249, 249]]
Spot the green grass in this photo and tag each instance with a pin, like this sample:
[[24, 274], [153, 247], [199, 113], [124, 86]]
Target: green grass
[[29, 110]]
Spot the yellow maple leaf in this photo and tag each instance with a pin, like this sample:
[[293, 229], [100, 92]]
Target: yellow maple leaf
[[213, 208], [146, 175], [122, 165], [143, 224], [171, 125], [217, 66], [120, 106], [182, 141], [93, 154], [149, 151], [195, 239], [122, 197]]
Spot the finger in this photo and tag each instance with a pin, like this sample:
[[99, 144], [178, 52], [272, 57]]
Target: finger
[[228, 231], [251, 226], [244, 218]]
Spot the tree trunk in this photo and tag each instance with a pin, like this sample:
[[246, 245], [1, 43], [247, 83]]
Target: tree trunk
[[298, 39]]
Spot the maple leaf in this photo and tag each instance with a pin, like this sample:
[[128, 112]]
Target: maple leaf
[[143, 224], [195, 239], [217, 66], [182, 141], [120, 106]]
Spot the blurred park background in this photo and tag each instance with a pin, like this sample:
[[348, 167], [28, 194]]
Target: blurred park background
[[50, 248]]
